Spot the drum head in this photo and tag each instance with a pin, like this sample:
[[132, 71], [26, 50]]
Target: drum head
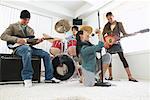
[[63, 67]]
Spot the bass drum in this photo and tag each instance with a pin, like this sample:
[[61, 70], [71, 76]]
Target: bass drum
[[64, 67]]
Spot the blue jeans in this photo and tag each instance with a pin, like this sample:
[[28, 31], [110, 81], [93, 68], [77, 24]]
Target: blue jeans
[[26, 53]]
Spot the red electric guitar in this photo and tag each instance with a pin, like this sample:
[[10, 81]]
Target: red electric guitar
[[112, 39]]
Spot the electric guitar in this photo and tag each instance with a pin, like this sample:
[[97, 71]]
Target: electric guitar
[[111, 39], [30, 40]]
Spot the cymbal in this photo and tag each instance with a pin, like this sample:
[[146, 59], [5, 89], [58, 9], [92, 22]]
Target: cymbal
[[62, 26]]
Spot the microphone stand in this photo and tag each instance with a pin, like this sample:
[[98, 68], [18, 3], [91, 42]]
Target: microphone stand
[[101, 83]]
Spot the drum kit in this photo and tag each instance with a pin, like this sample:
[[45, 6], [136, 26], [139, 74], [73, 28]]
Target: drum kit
[[63, 52]]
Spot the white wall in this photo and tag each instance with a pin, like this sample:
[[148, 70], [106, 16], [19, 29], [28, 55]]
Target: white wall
[[139, 64], [134, 15]]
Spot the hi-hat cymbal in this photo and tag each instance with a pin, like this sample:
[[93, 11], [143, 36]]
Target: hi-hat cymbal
[[62, 26]]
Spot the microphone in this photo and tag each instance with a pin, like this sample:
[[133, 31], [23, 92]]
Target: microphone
[[97, 31], [93, 34]]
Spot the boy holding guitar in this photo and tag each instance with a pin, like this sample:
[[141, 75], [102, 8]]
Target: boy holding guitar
[[17, 33], [113, 28]]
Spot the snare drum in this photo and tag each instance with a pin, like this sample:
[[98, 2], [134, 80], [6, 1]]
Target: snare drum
[[56, 48], [72, 47], [64, 67], [72, 43]]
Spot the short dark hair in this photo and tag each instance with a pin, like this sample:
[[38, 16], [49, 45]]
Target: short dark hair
[[109, 14], [25, 14], [75, 27]]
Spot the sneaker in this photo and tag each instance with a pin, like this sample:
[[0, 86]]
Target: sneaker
[[109, 78], [53, 80], [27, 83]]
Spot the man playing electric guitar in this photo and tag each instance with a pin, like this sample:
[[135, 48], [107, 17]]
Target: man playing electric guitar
[[16, 33], [114, 28]]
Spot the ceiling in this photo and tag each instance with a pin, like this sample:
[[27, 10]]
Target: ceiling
[[72, 5], [62, 8]]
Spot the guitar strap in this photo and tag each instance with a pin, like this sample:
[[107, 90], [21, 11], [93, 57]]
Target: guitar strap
[[118, 28], [25, 31]]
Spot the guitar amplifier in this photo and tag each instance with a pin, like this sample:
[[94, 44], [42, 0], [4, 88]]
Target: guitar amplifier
[[11, 66]]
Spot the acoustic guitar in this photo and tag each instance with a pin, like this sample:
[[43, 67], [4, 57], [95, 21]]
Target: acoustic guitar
[[111, 39]]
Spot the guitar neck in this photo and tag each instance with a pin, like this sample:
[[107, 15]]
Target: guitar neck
[[135, 33], [127, 35], [50, 38]]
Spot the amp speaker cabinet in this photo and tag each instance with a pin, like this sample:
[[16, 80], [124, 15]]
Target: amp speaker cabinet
[[11, 66]]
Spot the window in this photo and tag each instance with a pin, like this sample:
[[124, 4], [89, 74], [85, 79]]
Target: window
[[40, 24]]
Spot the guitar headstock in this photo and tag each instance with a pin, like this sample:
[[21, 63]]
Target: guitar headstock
[[143, 31]]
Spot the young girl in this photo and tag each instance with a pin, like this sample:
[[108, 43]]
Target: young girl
[[116, 28], [87, 52]]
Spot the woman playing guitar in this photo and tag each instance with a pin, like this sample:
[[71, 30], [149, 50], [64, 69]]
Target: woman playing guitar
[[113, 28]]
